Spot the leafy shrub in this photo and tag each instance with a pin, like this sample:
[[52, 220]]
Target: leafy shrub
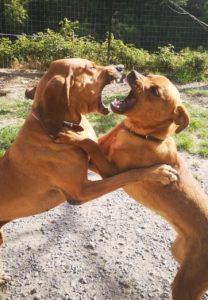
[[165, 60], [44, 47], [193, 65], [6, 50], [130, 56], [39, 50], [15, 12]]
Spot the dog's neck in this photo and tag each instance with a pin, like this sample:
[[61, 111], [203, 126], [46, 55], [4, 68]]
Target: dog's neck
[[157, 133], [142, 136], [74, 126]]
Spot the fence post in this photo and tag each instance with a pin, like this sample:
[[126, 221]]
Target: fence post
[[109, 30]]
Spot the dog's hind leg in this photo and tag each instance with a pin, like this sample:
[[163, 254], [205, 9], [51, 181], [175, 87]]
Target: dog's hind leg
[[191, 281]]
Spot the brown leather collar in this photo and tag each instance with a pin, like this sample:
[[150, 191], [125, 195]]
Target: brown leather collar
[[72, 126], [145, 137]]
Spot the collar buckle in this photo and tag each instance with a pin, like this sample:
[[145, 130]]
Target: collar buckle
[[73, 126], [69, 124]]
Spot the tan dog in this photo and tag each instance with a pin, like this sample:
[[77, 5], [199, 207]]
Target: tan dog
[[36, 174], [153, 113]]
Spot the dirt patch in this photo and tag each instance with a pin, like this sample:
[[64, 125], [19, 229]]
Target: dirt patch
[[13, 82], [109, 249], [201, 100]]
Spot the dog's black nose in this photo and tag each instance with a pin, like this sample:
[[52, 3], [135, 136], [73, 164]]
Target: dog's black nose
[[134, 74], [119, 68]]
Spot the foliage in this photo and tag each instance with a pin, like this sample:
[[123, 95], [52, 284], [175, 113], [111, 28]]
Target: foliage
[[44, 47], [6, 50], [15, 12], [165, 59], [41, 48], [68, 28], [145, 23], [183, 66], [130, 56], [192, 65]]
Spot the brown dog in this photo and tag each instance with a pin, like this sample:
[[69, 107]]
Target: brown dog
[[153, 113], [36, 174]]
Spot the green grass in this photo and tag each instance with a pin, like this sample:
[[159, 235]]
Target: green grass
[[13, 110], [103, 124], [7, 136], [10, 109], [195, 138], [196, 92]]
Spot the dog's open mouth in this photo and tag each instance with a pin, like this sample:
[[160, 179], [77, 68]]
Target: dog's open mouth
[[122, 106], [113, 78], [102, 108]]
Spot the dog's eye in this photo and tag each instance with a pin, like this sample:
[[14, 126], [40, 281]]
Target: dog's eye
[[155, 91]]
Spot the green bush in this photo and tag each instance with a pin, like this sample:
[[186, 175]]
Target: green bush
[[193, 65], [15, 12], [130, 56], [6, 50], [165, 60], [39, 50], [44, 47]]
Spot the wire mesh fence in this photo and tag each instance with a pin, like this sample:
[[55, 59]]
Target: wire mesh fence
[[146, 24]]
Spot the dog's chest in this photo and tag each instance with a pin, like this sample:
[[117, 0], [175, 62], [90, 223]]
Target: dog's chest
[[129, 151]]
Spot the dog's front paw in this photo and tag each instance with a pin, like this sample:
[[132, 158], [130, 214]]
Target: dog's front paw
[[4, 278], [165, 174], [66, 136]]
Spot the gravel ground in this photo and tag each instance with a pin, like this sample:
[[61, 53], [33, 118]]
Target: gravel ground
[[109, 249]]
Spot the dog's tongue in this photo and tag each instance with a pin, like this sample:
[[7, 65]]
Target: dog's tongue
[[123, 105], [117, 103]]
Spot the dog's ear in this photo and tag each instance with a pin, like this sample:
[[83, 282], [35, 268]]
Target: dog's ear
[[30, 92], [55, 103], [181, 118]]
